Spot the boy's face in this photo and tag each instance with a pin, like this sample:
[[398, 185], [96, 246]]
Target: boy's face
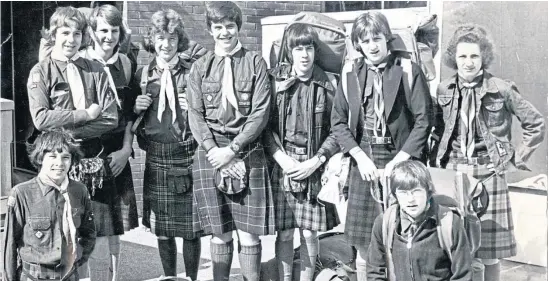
[[303, 58], [225, 34], [413, 202], [68, 40], [107, 35], [56, 165], [468, 58], [374, 47], [165, 45]]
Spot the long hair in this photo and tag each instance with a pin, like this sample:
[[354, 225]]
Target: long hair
[[470, 33], [53, 141], [167, 21]]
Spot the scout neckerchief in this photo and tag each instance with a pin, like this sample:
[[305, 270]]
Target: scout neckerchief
[[105, 65], [69, 229], [74, 79], [468, 114], [378, 98], [166, 87], [228, 98]]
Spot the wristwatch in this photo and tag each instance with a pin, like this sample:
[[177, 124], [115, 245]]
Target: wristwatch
[[234, 147]]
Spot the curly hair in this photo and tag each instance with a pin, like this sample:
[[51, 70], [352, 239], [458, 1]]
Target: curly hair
[[410, 174], [112, 16], [167, 21], [57, 140], [469, 33], [299, 35], [219, 11], [66, 16], [370, 23]]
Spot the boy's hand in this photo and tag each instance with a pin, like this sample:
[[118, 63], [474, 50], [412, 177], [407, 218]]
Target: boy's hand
[[142, 103], [94, 110], [304, 169], [285, 161], [400, 157], [220, 156], [368, 170], [118, 161]]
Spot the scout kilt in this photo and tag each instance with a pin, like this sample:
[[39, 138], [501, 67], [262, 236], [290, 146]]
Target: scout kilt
[[38, 272], [497, 228], [362, 208], [114, 206], [166, 212], [251, 210], [294, 210]]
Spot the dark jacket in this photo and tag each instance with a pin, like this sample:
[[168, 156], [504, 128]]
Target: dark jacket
[[426, 259], [34, 225], [409, 113], [498, 100], [252, 90]]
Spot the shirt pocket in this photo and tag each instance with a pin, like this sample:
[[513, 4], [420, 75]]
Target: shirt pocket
[[494, 113], [211, 92], [244, 94], [445, 102], [60, 96], [39, 231]]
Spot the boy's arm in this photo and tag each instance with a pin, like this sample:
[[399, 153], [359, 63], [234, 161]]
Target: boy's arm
[[329, 145], [196, 110], [438, 130], [420, 104], [532, 125], [376, 257], [13, 233], [86, 230], [260, 107], [43, 116], [108, 119], [268, 137], [460, 252], [339, 121]]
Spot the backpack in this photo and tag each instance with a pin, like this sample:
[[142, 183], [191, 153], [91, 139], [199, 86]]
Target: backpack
[[455, 193], [138, 126], [335, 258]]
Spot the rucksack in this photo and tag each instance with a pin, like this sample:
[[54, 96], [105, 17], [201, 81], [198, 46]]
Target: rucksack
[[455, 193], [335, 258]]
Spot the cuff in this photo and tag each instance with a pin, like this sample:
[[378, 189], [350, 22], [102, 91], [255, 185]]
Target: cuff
[[80, 116], [208, 144], [355, 150]]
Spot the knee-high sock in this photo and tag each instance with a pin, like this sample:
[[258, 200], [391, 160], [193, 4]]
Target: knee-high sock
[[284, 258], [99, 260], [114, 246], [492, 272], [361, 267], [309, 252], [191, 253], [168, 255], [250, 261], [221, 259]]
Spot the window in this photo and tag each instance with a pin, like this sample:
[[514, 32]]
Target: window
[[344, 6]]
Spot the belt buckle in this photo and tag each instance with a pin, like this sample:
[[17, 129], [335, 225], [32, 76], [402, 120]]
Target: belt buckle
[[300, 150], [473, 161]]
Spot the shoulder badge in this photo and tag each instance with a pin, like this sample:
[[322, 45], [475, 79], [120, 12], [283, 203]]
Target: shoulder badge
[[34, 79], [11, 201]]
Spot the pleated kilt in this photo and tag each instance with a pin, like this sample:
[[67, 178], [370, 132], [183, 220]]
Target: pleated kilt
[[251, 210], [166, 212], [362, 208], [497, 228], [294, 210], [115, 206]]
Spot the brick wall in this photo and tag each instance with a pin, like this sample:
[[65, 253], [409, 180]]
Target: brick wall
[[193, 14]]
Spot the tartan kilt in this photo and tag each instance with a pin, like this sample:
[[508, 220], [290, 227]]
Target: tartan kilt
[[362, 208], [166, 212], [293, 210], [497, 227], [251, 210]]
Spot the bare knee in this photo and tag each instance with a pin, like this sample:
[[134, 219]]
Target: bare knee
[[248, 239], [222, 238], [308, 234]]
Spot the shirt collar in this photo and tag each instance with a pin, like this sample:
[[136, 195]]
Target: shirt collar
[[91, 54], [406, 221], [77, 60], [46, 188]]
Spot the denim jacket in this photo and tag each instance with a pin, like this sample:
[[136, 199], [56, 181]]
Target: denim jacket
[[497, 101]]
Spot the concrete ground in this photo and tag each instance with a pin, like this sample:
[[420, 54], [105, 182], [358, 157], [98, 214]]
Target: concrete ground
[[140, 261]]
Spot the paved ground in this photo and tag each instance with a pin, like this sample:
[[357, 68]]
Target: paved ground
[[140, 261]]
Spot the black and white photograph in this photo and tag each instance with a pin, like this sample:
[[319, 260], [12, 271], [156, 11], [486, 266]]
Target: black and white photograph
[[273, 140]]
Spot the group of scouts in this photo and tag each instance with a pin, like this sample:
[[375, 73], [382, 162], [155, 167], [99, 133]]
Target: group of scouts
[[232, 146]]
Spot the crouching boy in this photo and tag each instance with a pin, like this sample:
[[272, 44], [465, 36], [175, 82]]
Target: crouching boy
[[405, 241], [49, 231]]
